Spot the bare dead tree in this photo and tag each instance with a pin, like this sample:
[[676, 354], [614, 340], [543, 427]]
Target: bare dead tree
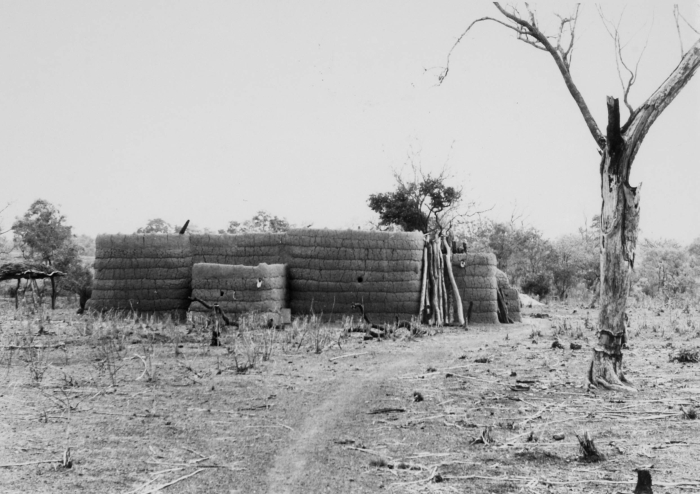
[[677, 16], [614, 32], [618, 147]]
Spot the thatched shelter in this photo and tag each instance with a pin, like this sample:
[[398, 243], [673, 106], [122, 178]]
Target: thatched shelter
[[30, 272]]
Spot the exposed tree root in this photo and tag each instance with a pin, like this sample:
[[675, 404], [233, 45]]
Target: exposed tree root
[[606, 371]]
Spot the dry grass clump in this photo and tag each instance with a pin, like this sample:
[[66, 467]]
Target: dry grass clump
[[564, 327], [686, 355], [689, 413], [255, 341]]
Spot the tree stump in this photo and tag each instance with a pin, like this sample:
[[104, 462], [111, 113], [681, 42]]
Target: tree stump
[[643, 482]]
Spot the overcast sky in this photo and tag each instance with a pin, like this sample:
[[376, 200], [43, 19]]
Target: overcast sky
[[118, 112]]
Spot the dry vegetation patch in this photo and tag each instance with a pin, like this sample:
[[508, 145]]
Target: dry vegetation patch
[[107, 404]]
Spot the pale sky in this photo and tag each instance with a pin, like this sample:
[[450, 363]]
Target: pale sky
[[118, 112]]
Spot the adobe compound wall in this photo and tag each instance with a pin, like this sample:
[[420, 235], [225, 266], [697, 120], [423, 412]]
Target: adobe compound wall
[[327, 270]]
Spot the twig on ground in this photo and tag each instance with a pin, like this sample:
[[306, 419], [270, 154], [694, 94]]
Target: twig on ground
[[475, 379], [347, 355], [269, 427], [8, 465], [385, 410], [424, 419], [371, 452], [175, 481], [157, 474], [33, 347], [433, 475]]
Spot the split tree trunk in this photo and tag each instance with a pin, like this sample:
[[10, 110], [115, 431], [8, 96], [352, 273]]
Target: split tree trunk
[[620, 219], [618, 226]]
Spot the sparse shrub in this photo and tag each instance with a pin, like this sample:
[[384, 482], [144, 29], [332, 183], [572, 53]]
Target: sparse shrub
[[564, 327], [322, 335], [245, 348], [109, 350], [37, 360], [150, 369]]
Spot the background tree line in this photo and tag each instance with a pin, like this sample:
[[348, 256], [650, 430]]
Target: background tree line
[[538, 266]]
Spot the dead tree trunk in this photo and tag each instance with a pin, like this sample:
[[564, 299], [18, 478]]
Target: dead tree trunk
[[620, 201], [620, 220]]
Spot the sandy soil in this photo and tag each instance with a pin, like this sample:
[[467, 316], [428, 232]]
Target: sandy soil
[[346, 419]]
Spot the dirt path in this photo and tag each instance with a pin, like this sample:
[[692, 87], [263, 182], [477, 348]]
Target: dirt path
[[310, 463]]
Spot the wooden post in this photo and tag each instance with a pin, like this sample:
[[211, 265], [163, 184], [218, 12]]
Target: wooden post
[[455, 290], [446, 317], [53, 294], [438, 283], [423, 283], [435, 317], [19, 281]]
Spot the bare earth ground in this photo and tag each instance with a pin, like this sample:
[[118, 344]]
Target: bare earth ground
[[342, 420]]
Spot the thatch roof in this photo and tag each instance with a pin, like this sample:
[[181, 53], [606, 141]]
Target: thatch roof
[[19, 270]]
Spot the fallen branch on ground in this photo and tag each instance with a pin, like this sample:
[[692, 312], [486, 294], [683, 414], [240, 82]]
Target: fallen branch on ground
[[385, 410], [8, 465], [33, 347], [175, 481], [347, 355]]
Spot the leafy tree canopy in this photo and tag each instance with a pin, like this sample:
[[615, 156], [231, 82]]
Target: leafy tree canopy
[[425, 203], [157, 225], [85, 244], [262, 221], [667, 268], [41, 234], [43, 237]]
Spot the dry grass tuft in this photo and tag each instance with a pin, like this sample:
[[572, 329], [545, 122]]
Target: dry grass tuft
[[686, 355]]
